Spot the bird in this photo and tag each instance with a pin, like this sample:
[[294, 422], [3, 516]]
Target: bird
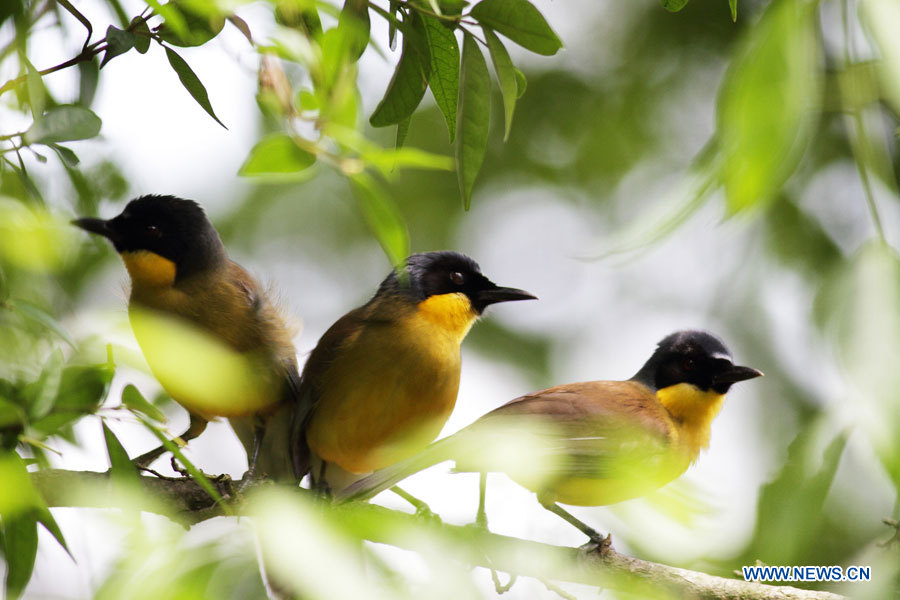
[[383, 379], [593, 443], [213, 337]]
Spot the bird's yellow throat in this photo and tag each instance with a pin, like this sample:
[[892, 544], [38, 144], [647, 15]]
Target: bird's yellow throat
[[452, 313], [148, 269], [695, 410]]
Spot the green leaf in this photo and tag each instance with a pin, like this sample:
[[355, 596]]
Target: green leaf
[[241, 25], [45, 518], [402, 130], [383, 218], [674, 5], [393, 9], [64, 124], [521, 83], [83, 388], [122, 469], [387, 159], [768, 104], [36, 313], [444, 80], [191, 83], [46, 389], [10, 414], [858, 306], [190, 27], [521, 22], [88, 78], [506, 75], [117, 42], [277, 154], [69, 158], [35, 86], [733, 5], [20, 548], [354, 19], [135, 401], [141, 32], [473, 117], [408, 84]]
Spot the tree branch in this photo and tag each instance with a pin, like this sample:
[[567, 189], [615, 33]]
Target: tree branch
[[191, 504]]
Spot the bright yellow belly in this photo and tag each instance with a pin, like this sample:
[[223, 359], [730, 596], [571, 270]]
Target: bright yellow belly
[[387, 395]]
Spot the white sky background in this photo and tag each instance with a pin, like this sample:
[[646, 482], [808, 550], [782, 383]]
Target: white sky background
[[523, 238]]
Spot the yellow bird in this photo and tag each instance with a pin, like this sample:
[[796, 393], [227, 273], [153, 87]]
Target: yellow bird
[[212, 337], [382, 381], [598, 442]]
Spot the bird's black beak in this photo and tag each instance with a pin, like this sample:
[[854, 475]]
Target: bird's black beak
[[736, 373], [503, 294], [483, 298], [98, 226]]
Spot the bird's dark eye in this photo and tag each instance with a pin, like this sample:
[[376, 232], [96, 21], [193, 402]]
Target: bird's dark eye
[[689, 364], [457, 278], [152, 230]]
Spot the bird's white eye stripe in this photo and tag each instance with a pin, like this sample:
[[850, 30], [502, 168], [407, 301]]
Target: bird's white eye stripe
[[721, 356]]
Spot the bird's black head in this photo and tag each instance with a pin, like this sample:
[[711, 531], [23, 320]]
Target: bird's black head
[[171, 227], [694, 357], [436, 273]]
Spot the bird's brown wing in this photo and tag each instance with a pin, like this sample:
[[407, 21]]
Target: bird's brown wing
[[597, 429], [340, 333]]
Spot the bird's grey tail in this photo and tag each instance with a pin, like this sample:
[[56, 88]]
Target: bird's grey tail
[[387, 477]]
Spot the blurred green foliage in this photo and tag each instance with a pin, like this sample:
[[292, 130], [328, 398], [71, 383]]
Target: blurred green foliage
[[807, 87]]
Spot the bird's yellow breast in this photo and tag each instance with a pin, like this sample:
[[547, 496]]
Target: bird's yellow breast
[[693, 410], [148, 269], [392, 387]]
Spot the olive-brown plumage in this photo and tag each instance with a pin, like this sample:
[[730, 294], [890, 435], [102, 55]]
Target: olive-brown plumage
[[598, 442], [209, 332], [382, 381]]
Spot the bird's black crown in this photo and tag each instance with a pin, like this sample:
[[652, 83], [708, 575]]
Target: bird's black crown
[[695, 357], [174, 228], [446, 272]]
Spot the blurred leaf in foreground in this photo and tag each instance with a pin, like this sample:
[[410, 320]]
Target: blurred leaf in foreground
[[768, 103]]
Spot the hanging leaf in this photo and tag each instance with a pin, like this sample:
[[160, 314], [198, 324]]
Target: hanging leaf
[[402, 130], [69, 158], [444, 80], [775, 67], [194, 28], [354, 19], [674, 5], [473, 117], [39, 315], [135, 401], [278, 155], [42, 394], [117, 42], [409, 82], [506, 75], [122, 469], [141, 32], [64, 123], [191, 83], [521, 22], [733, 5], [20, 538], [88, 78], [383, 217]]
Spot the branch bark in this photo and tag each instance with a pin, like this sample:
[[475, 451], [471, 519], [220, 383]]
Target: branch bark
[[187, 502]]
